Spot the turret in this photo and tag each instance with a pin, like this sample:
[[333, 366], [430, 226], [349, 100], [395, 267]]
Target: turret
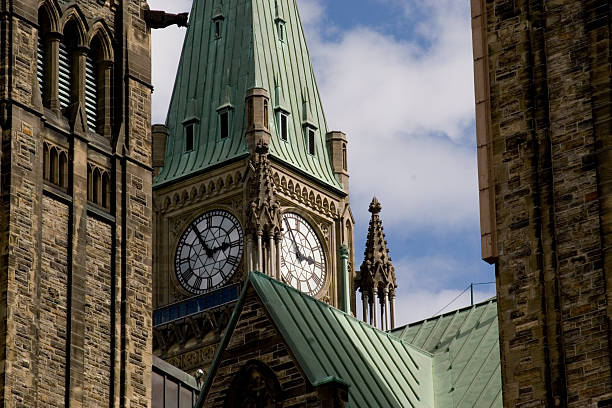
[[337, 145], [258, 120], [376, 279]]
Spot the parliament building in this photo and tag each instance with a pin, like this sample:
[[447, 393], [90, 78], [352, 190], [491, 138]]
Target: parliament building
[[209, 261]]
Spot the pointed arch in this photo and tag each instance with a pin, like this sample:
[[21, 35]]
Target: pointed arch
[[63, 169], [101, 36], [51, 12], [106, 190], [74, 20]]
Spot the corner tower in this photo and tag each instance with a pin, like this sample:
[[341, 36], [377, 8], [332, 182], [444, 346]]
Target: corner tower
[[75, 204], [250, 179]]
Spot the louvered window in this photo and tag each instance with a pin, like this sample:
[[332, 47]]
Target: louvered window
[[65, 76], [311, 141], [91, 94], [40, 66]]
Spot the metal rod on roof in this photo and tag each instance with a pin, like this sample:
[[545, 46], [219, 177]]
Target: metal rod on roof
[[471, 294]]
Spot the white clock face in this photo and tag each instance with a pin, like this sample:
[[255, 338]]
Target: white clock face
[[209, 251], [302, 257]]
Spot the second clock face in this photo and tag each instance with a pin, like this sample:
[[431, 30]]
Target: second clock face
[[209, 251], [302, 256]]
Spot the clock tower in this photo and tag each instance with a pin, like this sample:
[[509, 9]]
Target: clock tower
[[248, 177]]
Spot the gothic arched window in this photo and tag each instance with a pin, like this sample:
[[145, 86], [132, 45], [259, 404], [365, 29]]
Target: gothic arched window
[[68, 64], [255, 386], [98, 77]]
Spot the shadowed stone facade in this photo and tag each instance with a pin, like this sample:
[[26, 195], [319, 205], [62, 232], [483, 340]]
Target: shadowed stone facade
[[543, 113], [75, 204]]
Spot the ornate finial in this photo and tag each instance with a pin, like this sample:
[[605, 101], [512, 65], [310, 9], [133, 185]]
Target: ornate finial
[[375, 206]]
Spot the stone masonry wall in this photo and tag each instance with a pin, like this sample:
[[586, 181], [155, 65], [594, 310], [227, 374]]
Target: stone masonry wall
[[53, 304], [256, 338], [548, 69], [98, 315]]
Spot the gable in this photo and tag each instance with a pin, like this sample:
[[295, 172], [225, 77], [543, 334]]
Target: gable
[[255, 341]]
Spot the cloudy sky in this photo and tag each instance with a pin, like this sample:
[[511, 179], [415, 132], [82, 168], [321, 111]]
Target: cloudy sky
[[405, 66]]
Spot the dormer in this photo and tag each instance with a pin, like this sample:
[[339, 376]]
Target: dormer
[[281, 113], [218, 19], [189, 124], [225, 112], [279, 21], [309, 127]]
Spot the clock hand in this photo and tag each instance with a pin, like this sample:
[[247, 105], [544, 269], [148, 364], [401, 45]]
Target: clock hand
[[309, 260], [209, 252], [223, 247], [298, 255]]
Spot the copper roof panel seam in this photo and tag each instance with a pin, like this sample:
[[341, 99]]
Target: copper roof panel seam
[[473, 378], [349, 357], [498, 402], [454, 343], [377, 365], [469, 333], [431, 332]]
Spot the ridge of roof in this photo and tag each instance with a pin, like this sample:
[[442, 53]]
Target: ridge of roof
[[214, 73]]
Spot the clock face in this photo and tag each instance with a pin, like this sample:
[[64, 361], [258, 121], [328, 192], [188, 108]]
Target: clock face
[[209, 251], [302, 257]]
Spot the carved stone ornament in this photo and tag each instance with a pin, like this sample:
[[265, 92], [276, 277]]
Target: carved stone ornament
[[263, 211]]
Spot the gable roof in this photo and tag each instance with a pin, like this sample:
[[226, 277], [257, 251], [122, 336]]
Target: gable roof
[[328, 344], [448, 361], [214, 74], [466, 359]]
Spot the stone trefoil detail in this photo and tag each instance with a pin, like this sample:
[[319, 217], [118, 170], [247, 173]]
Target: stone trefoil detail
[[376, 279]]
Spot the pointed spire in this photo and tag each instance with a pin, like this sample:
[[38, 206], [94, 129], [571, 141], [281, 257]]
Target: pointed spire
[[279, 95], [225, 101], [376, 278], [191, 115], [264, 210]]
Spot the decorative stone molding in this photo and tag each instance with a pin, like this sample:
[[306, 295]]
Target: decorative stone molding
[[306, 195], [201, 191]]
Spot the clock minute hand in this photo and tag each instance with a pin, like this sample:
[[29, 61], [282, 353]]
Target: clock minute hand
[[297, 251], [222, 247]]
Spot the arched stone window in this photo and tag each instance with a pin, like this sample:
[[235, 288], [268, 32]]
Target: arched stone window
[[98, 83], [46, 54], [68, 65], [254, 386]]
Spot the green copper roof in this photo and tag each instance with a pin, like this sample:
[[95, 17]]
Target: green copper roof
[[380, 370], [465, 346], [216, 71], [449, 361]]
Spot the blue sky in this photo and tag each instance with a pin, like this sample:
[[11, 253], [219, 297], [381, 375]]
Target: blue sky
[[406, 68]]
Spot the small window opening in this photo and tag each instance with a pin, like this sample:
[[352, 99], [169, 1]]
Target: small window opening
[[217, 28], [224, 117], [311, 141], [189, 137], [265, 115], [283, 126], [344, 161], [281, 32]]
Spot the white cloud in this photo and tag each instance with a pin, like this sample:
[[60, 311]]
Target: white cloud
[[413, 306], [407, 108]]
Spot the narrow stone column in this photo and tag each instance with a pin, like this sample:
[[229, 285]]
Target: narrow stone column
[[249, 254], [365, 304], [277, 243], [374, 311], [392, 308], [78, 75], [270, 249], [259, 265], [50, 91], [386, 304], [345, 297]]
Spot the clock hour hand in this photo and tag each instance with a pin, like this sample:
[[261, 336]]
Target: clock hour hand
[[209, 252], [223, 247], [309, 259]]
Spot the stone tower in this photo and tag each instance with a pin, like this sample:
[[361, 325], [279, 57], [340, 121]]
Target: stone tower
[[248, 176], [76, 204], [543, 115], [376, 277]]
